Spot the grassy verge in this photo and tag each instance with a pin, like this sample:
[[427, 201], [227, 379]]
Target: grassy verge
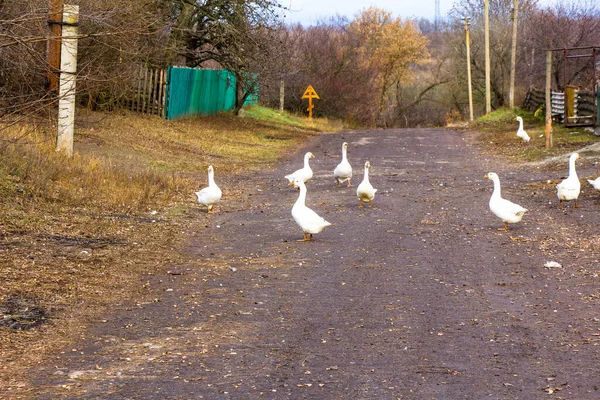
[[499, 130], [78, 235]]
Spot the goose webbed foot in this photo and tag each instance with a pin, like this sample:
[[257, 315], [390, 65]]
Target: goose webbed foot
[[307, 238]]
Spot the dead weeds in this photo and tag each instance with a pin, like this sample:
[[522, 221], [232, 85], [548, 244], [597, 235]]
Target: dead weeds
[[498, 136], [78, 236]]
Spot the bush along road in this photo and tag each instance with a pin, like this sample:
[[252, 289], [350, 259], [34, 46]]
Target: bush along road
[[419, 297]]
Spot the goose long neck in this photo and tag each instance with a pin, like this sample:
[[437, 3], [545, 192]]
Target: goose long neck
[[521, 124], [211, 178], [496, 192], [302, 196], [366, 177], [306, 158], [344, 153], [572, 171]]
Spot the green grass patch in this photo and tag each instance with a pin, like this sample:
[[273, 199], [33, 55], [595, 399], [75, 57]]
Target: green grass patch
[[284, 118], [498, 135]]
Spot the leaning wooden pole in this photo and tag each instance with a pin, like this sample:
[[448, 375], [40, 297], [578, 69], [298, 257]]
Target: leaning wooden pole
[[513, 54], [55, 11], [469, 84], [548, 99], [68, 71], [488, 90], [281, 95]]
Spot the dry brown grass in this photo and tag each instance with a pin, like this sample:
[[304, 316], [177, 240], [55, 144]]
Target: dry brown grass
[[77, 236], [499, 137]]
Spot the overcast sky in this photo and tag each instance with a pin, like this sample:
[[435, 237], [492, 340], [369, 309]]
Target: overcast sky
[[307, 12]]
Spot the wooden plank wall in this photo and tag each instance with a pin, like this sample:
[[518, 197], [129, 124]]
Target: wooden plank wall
[[149, 92]]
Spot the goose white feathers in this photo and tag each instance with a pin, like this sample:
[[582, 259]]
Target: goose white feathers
[[521, 132], [307, 219], [305, 173], [506, 210], [343, 171], [569, 188], [365, 191], [210, 195], [595, 183]]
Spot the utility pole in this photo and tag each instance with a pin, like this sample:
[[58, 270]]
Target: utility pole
[[488, 93], [468, 40], [68, 71], [513, 55], [55, 11], [549, 99], [281, 95]]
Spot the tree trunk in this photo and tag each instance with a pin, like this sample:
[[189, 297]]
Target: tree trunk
[[185, 23]]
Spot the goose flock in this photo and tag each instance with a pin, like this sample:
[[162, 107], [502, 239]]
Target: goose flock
[[308, 220], [567, 190], [311, 223]]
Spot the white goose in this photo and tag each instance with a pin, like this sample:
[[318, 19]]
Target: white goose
[[521, 132], [595, 183], [210, 195], [305, 173], [307, 219], [365, 191], [506, 210], [569, 188], [343, 171]]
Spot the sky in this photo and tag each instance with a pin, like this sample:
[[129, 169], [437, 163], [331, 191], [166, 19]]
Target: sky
[[308, 12]]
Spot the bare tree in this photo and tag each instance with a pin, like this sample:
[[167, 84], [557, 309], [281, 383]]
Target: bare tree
[[238, 35], [563, 25], [114, 37], [500, 41]]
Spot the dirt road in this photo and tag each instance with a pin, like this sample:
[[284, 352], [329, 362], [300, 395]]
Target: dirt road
[[420, 297]]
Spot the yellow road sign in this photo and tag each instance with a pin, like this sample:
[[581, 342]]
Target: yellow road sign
[[310, 94]]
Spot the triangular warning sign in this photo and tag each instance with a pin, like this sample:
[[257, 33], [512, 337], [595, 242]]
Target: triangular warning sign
[[310, 93]]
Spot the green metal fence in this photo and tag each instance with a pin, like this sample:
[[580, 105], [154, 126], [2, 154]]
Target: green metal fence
[[199, 92]]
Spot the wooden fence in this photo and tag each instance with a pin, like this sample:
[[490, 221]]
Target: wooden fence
[[178, 92], [148, 94]]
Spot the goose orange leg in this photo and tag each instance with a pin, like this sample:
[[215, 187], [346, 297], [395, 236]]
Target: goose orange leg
[[307, 237]]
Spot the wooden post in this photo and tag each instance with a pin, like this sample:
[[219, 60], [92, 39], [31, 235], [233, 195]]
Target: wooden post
[[68, 72], [149, 87], [160, 91], [513, 55], [488, 93], [55, 18], [281, 95], [138, 100], [145, 91], [469, 84], [549, 99], [156, 92], [163, 93]]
